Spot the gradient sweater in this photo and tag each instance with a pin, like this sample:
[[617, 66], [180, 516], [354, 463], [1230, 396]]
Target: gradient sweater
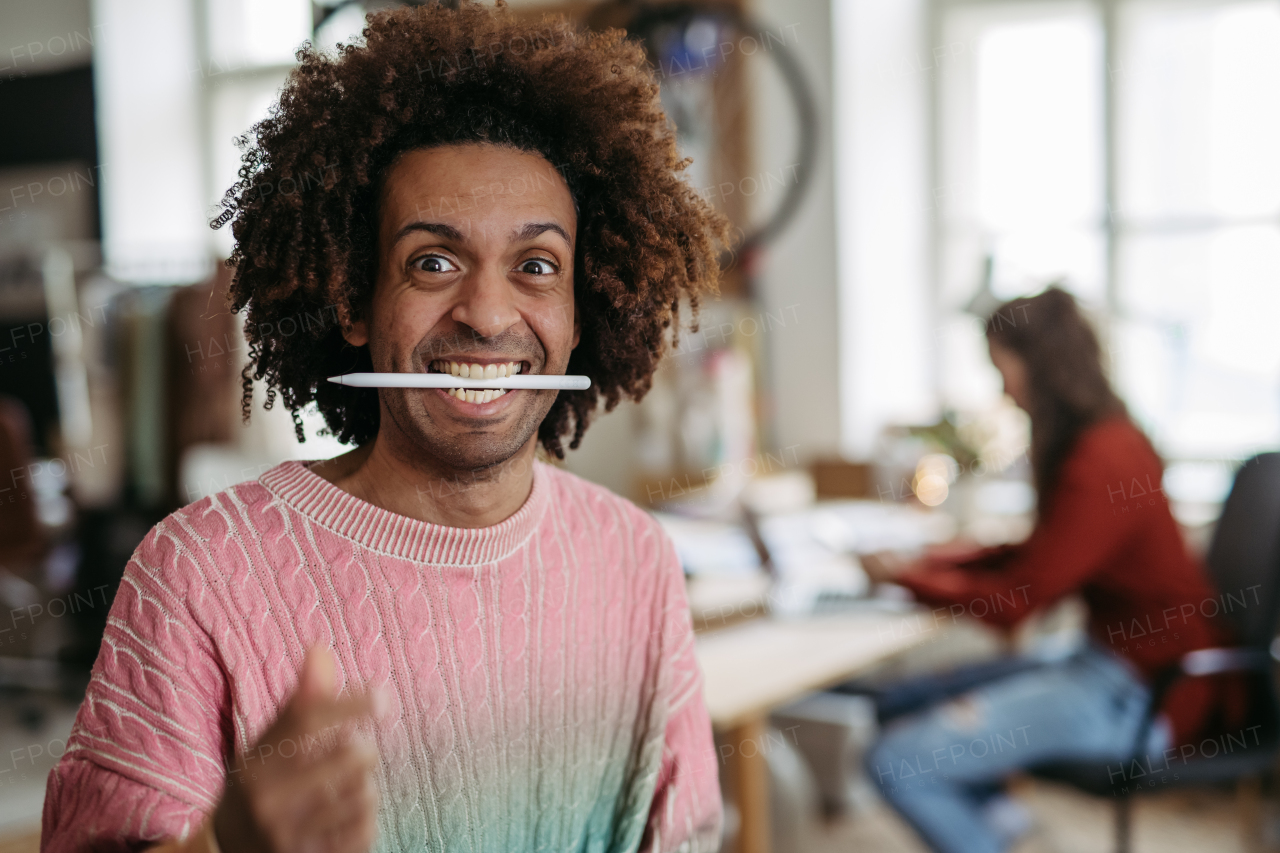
[[544, 691]]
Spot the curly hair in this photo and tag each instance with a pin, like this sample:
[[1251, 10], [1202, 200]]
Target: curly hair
[[304, 210]]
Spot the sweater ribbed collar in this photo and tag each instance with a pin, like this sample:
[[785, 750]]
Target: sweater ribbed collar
[[397, 535]]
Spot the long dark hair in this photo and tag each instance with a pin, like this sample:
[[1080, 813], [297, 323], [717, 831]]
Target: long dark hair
[[1067, 387]]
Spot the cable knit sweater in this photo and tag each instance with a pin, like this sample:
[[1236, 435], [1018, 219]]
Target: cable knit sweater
[[544, 691]]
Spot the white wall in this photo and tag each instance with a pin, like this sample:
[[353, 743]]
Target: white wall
[[882, 63], [855, 263], [798, 277]]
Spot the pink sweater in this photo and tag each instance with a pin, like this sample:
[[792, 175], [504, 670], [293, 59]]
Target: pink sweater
[[545, 694]]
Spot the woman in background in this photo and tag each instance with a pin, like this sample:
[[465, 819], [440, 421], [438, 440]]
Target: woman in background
[[1104, 532]]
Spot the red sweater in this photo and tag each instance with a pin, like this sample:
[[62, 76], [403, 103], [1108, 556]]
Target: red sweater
[[1108, 535]]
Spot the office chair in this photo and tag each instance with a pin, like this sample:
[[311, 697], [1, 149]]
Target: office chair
[[1244, 555]]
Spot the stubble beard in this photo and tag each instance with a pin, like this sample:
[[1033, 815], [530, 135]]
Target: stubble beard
[[481, 453]]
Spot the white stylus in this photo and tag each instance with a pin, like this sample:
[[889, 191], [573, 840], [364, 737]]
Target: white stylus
[[531, 381]]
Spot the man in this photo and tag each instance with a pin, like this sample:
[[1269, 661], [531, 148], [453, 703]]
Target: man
[[433, 642]]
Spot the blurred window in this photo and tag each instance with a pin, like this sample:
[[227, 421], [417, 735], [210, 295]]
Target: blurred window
[[1130, 149], [247, 51]]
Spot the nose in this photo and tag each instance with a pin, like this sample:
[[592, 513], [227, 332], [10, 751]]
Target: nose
[[487, 304]]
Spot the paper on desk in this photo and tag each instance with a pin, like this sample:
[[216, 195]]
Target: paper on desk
[[864, 527], [711, 548]]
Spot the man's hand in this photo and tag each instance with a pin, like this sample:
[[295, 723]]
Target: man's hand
[[300, 789]]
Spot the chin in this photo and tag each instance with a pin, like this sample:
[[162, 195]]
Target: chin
[[470, 452], [447, 436]]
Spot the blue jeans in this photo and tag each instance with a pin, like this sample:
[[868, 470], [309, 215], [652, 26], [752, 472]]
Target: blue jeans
[[939, 767]]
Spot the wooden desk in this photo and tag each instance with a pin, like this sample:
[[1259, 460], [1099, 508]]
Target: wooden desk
[[716, 603], [751, 668]]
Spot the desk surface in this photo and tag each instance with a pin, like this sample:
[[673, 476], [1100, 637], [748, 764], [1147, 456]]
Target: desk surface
[[753, 667]]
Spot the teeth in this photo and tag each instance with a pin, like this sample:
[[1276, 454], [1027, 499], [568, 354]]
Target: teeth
[[473, 396], [466, 370]]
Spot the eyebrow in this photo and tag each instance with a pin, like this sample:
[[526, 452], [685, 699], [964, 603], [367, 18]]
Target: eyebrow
[[439, 228], [533, 229], [528, 232]]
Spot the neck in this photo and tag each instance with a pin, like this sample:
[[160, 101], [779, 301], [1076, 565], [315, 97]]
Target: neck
[[428, 491]]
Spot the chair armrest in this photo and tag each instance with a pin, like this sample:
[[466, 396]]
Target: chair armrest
[[1197, 664], [1213, 661]]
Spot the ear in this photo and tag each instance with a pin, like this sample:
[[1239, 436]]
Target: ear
[[354, 331], [577, 325]]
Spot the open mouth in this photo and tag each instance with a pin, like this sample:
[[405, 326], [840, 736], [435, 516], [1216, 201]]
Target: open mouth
[[472, 370]]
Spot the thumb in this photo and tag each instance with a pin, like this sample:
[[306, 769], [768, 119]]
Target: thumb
[[318, 680]]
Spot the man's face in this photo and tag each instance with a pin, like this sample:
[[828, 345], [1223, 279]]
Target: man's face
[[475, 268]]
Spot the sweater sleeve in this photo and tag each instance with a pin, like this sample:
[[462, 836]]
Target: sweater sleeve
[[145, 758], [686, 814], [1078, 537]]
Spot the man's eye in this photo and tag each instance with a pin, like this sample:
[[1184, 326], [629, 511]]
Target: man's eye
[[433, 263], [537, 266]]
